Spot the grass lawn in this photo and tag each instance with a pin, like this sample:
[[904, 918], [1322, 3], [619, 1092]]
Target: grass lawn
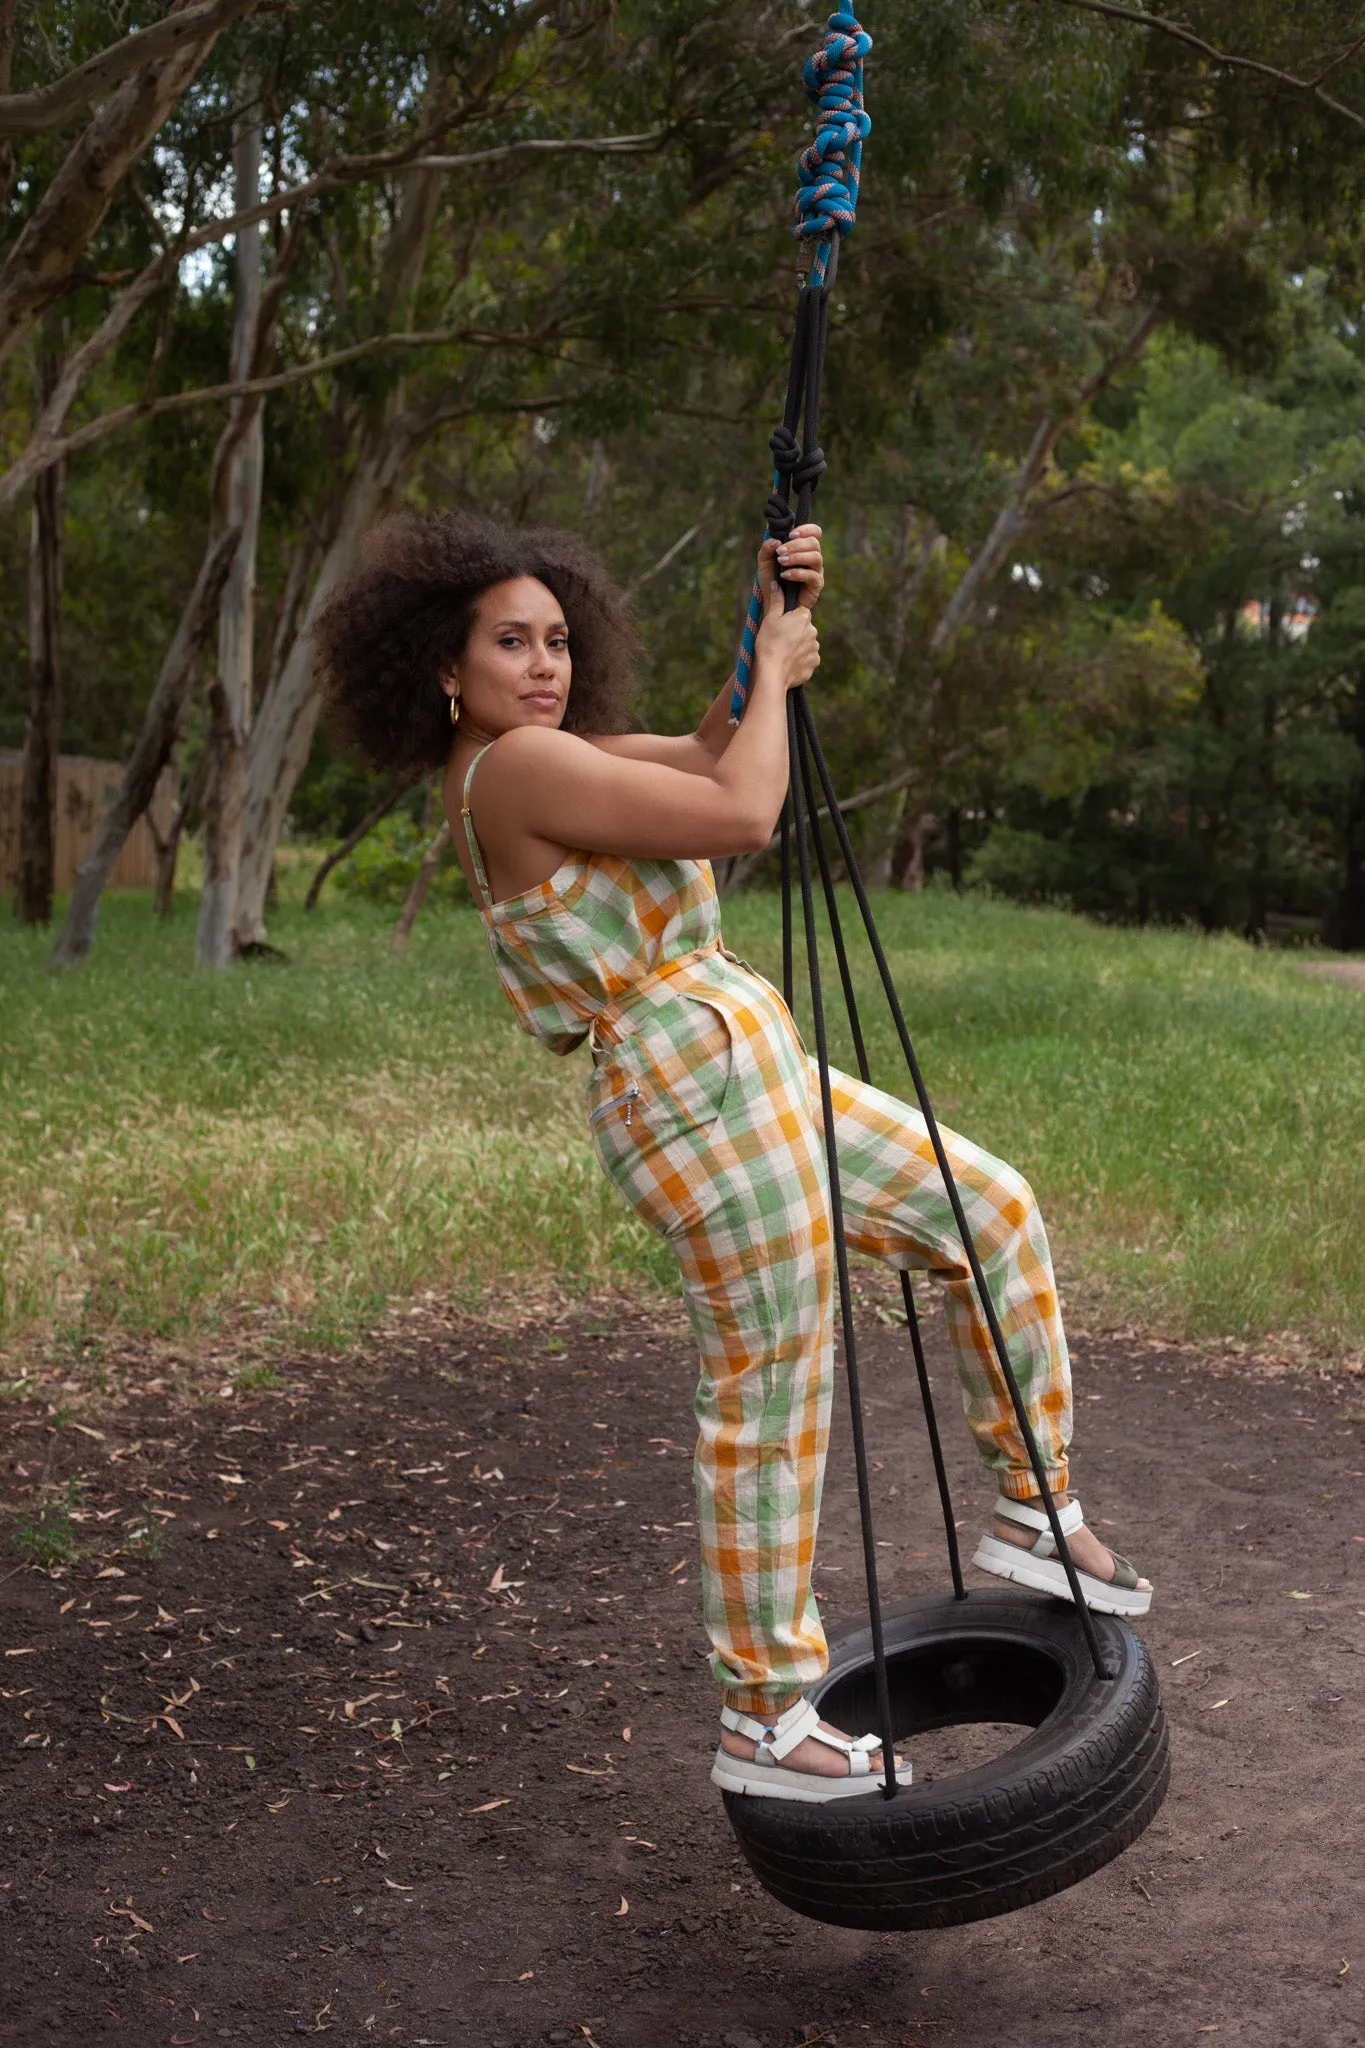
[[320, 1140]]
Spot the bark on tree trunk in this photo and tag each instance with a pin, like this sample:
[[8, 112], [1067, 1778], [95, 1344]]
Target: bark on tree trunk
[[417, 894], [6, 71], [283, 734], [877, 870], [907, 862], [160, 730], [230, 709], [168, 849], [43, 739]]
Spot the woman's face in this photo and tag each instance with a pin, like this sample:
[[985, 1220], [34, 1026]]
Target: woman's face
[[515, 668]]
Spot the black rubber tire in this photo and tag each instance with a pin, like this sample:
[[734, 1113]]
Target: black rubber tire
[[1069, 1797]]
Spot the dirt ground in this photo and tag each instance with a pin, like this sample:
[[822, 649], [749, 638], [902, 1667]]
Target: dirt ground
[[403, 1736]]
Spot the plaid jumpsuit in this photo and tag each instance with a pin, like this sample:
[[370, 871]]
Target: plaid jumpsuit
[[705, 1112]]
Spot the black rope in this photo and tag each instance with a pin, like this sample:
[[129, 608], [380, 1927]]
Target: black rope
[[799, 464], [950, 1184], [836, 1219], [865, 1073]]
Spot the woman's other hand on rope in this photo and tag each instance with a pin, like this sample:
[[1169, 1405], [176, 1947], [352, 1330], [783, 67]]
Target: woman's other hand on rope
[[788, 647], [797, 560]]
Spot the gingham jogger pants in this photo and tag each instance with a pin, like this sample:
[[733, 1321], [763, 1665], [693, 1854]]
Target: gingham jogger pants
[[706, 1114]]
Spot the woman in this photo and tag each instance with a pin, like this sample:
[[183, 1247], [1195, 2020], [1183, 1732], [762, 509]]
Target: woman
[[507, 658]]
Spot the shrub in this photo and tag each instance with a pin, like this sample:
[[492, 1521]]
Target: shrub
[[384, 865]]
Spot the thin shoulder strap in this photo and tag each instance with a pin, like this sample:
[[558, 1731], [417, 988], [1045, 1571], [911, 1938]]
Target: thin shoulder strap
[[470, 838]]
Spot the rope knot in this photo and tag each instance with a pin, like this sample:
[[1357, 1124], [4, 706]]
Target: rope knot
[[779, 517], [828, 169], [809, 469], [786, 449]]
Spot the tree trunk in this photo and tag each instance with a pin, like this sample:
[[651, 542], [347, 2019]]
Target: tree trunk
[[953, 846], [877, 868], [6, 70], [168, 849], [230, 703], [1258, 881], [283, 735], [907, 862], [417, 894], [43, 739], [160, 730]]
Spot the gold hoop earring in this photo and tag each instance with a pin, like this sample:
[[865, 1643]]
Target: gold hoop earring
[[455, 708]]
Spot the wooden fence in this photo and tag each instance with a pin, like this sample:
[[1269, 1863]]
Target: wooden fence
[[84, 790]]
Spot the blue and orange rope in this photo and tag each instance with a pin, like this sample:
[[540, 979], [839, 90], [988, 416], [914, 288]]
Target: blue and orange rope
[[828, 172]]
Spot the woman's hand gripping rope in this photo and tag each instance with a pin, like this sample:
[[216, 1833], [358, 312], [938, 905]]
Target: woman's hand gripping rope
[[788, 645], [799, 560]]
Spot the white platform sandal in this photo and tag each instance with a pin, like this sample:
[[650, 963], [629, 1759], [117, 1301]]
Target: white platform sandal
[[1041, 1568], [764, 1776]]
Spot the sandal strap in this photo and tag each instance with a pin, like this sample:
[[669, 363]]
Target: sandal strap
[[776, 1739], [1125, 1574], [1070, 1519]]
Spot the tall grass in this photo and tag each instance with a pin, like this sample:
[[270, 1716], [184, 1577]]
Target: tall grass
[[308, 1143]]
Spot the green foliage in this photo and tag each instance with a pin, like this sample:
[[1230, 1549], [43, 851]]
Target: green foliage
[[47, 1536], [384, 865]]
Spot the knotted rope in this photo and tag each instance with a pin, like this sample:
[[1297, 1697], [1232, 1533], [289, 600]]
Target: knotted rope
[[828, 171], [827, 196]]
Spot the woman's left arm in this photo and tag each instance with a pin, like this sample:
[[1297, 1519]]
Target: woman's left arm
[[799, 561]]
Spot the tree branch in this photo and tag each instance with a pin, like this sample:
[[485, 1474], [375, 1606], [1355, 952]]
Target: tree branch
[[46, 444], [47, 106], [1010, 519], [38, 267], [1180, 34], [352, 840], [215, 394]]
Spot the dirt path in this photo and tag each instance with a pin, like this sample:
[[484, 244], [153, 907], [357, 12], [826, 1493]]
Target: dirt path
[[349, 1755]]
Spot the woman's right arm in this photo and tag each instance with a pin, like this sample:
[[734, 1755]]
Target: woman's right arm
[[553, 790]]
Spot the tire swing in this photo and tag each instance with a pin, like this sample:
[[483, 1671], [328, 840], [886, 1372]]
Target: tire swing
[[1093, 1769]]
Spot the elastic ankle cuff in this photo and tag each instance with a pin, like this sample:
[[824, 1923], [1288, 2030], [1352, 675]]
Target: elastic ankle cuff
[[763, 1705], [1023, 1485]]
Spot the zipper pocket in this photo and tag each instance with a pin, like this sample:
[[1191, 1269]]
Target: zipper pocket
[[628, 1096]]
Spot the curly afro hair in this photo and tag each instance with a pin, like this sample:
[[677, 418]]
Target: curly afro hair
[[393, 628]]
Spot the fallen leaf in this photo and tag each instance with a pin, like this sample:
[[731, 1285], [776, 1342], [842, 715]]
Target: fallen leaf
[[111, 1571], [622, 1909], [526, 1976], [1302, 1596], [1215, 1706], [584, 1772], [250, 1762], [67, 1605], [172, 1724], [625, 1735], [125, 1913], [488, 1806]]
